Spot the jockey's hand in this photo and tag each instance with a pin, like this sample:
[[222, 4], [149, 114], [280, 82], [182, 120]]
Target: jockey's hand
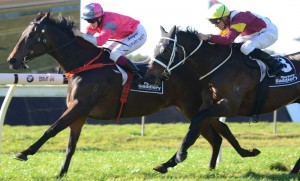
[[77, 32], [202, 36]]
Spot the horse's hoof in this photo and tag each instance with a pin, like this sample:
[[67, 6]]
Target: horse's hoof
[[161, 169], [211, 168], [21, 157], [293, 172], [180, 156], [255, 152], [60, 176]]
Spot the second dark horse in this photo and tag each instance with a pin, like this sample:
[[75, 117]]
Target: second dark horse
[[95, 93]]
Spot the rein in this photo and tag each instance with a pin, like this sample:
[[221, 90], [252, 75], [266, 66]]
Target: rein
[[60, 47], [88, 66], [210, 72]]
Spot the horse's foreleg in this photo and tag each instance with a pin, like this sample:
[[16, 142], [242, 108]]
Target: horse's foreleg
[[69, 116], [189, 139], [227, 134], [163, 168], [75, 130], [296, 168], [215, 140], [195, 127], [211, 136]]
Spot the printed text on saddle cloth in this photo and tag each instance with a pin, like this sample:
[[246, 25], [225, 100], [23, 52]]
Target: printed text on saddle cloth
[[288, 74]]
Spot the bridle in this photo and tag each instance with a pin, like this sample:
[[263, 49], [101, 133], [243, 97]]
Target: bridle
[[44, 40], [169, 67]]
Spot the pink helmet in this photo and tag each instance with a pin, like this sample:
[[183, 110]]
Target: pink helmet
[[92, 10]]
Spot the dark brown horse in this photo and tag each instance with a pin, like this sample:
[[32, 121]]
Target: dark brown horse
[[95, 93], [229, 83]]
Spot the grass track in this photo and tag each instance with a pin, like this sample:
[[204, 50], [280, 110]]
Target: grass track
[[118, 152]]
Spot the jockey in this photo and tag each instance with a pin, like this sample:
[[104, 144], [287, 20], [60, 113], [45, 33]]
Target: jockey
[[253, 31], [129, 33]]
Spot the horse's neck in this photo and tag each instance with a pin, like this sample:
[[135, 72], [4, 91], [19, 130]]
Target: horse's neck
[[75, 55], [210, 57]]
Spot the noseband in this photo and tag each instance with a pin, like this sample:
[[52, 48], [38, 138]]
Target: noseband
[[169, 67]]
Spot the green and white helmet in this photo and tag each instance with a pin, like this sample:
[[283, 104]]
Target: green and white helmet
[[218, 11]]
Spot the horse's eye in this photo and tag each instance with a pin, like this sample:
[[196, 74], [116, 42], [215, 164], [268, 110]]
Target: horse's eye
[[165, 52], [162, 49]]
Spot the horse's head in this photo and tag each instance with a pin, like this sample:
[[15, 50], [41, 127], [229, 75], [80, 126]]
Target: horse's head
[[34, 42], [171, 51]]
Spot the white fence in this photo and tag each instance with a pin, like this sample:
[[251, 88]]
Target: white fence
[[33, 85], [29, 85]]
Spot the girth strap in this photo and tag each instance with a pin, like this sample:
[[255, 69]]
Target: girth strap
[[260, 98], [88, 66], [124, 94]]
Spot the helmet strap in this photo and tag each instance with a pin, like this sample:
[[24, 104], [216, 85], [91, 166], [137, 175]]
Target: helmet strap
[[225, 22], [99, 20], [222, 18]]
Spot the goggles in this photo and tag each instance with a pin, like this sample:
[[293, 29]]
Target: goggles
[[215, 21], [91, 21]]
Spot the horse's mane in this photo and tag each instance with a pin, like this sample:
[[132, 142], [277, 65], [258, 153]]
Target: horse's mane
[[193, 33], [65, 25], [61, 22]]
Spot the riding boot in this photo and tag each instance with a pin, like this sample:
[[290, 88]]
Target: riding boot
[[128, 65], [274, 65]]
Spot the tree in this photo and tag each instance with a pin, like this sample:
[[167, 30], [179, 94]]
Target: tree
[[138, 57]]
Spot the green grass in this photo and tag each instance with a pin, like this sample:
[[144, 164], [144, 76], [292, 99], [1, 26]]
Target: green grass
[[118, 152]]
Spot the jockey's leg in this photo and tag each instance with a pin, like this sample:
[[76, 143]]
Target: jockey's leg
[[125, 63], [274, 65]]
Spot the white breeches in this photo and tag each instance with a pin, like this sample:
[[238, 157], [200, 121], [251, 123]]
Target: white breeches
[[127, 45], [261, 40]]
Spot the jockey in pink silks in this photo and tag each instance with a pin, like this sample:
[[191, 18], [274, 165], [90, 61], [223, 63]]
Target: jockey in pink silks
[[129, 33]]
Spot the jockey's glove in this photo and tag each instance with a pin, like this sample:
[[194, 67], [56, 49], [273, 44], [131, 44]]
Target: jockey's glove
[[77, 32]]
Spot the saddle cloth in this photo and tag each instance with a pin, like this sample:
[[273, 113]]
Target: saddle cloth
[[145, 87], [287, 76]]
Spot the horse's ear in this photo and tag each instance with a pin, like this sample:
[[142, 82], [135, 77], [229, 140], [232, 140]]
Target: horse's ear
[[48, 14], [173, 28], [41, 16], [162, 30]]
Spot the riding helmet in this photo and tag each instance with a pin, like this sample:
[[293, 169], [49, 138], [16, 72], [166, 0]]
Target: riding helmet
[[217, 11], [92, 10]]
